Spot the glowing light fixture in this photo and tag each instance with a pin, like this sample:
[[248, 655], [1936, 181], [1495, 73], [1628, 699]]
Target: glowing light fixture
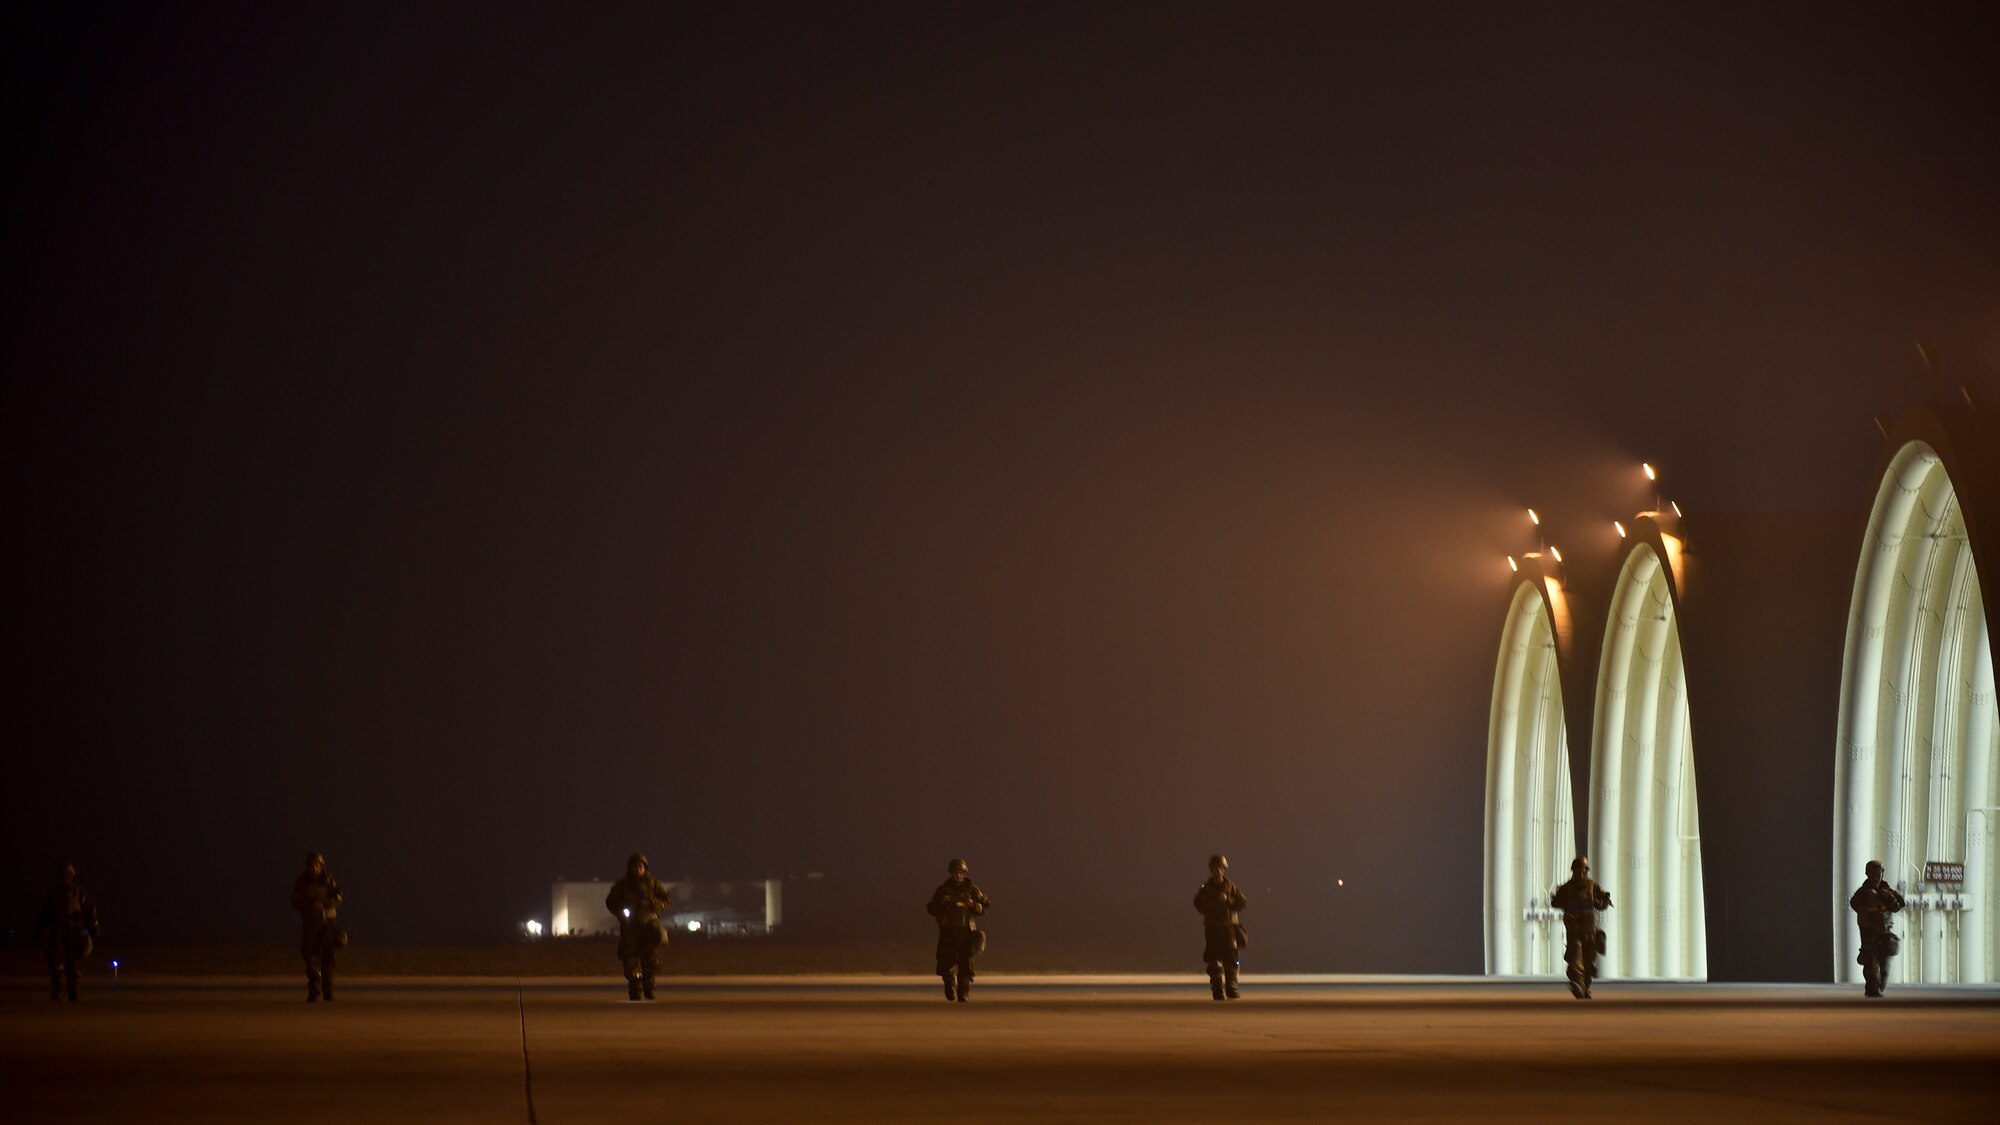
[[1620, 527], [1533, 518], [1512, 565], [533, 927], [1650, 474], [694, 925], [627, 912], [1557, 552], [1676, 507]]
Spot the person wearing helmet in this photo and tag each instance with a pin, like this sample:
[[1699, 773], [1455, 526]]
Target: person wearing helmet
[[957, 904], [636, 901], [1873, 903], [67, 927], [1220, 902], [317, 898], [1580, 899]]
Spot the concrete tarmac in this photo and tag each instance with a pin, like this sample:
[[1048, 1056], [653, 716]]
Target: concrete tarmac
[[1057, 1049]]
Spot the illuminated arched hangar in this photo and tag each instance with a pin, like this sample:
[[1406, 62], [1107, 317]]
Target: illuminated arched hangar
[[1644, 815], [1530, 799], [1719, 654], [1916, 782]]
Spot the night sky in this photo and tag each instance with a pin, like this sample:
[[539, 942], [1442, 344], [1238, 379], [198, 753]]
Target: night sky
[[479, 441]]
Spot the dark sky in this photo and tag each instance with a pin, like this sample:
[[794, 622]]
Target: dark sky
[[479, 441]]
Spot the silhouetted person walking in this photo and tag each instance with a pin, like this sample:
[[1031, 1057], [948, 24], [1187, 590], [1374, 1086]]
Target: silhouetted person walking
[[957, 904], [1219, 900], [637, 900], [67, 927], [1873, 903], [317, 898], [1580, 900]]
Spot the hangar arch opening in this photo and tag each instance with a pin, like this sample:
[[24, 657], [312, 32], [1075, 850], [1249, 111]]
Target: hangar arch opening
[[1530, 820], [1914, 776], [1645, 825]]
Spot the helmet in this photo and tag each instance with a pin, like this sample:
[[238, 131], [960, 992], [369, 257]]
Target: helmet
[[1218, 862], [1579, 865], [1874, 868], [956, 866]]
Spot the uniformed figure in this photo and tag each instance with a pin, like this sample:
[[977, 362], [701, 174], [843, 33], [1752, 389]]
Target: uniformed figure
[[1873, 902], [67, 927], [1219, 900], [957, 904], [637, 900], [1580, 899], [317, 898]]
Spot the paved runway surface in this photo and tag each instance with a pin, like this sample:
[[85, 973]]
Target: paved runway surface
[[1096, 1049]]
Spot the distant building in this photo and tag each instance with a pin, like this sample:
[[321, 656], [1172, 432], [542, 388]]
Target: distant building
[[744, 908]]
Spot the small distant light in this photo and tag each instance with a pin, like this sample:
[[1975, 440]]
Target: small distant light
[[1512, 565], [1620, 527], [1650, 475], [628, 912], [1675, 506], [1557, 552], [114, 964], [1533, 518], [1340, 882], [694, 925], [534, 928]]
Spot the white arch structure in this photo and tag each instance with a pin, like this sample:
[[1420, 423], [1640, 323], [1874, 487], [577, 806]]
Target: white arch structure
[[1530, 822], [1914, 775], [1645, 836]]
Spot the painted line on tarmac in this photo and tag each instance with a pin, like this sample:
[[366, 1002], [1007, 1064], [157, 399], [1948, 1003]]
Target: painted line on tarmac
[[527, 1072]]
